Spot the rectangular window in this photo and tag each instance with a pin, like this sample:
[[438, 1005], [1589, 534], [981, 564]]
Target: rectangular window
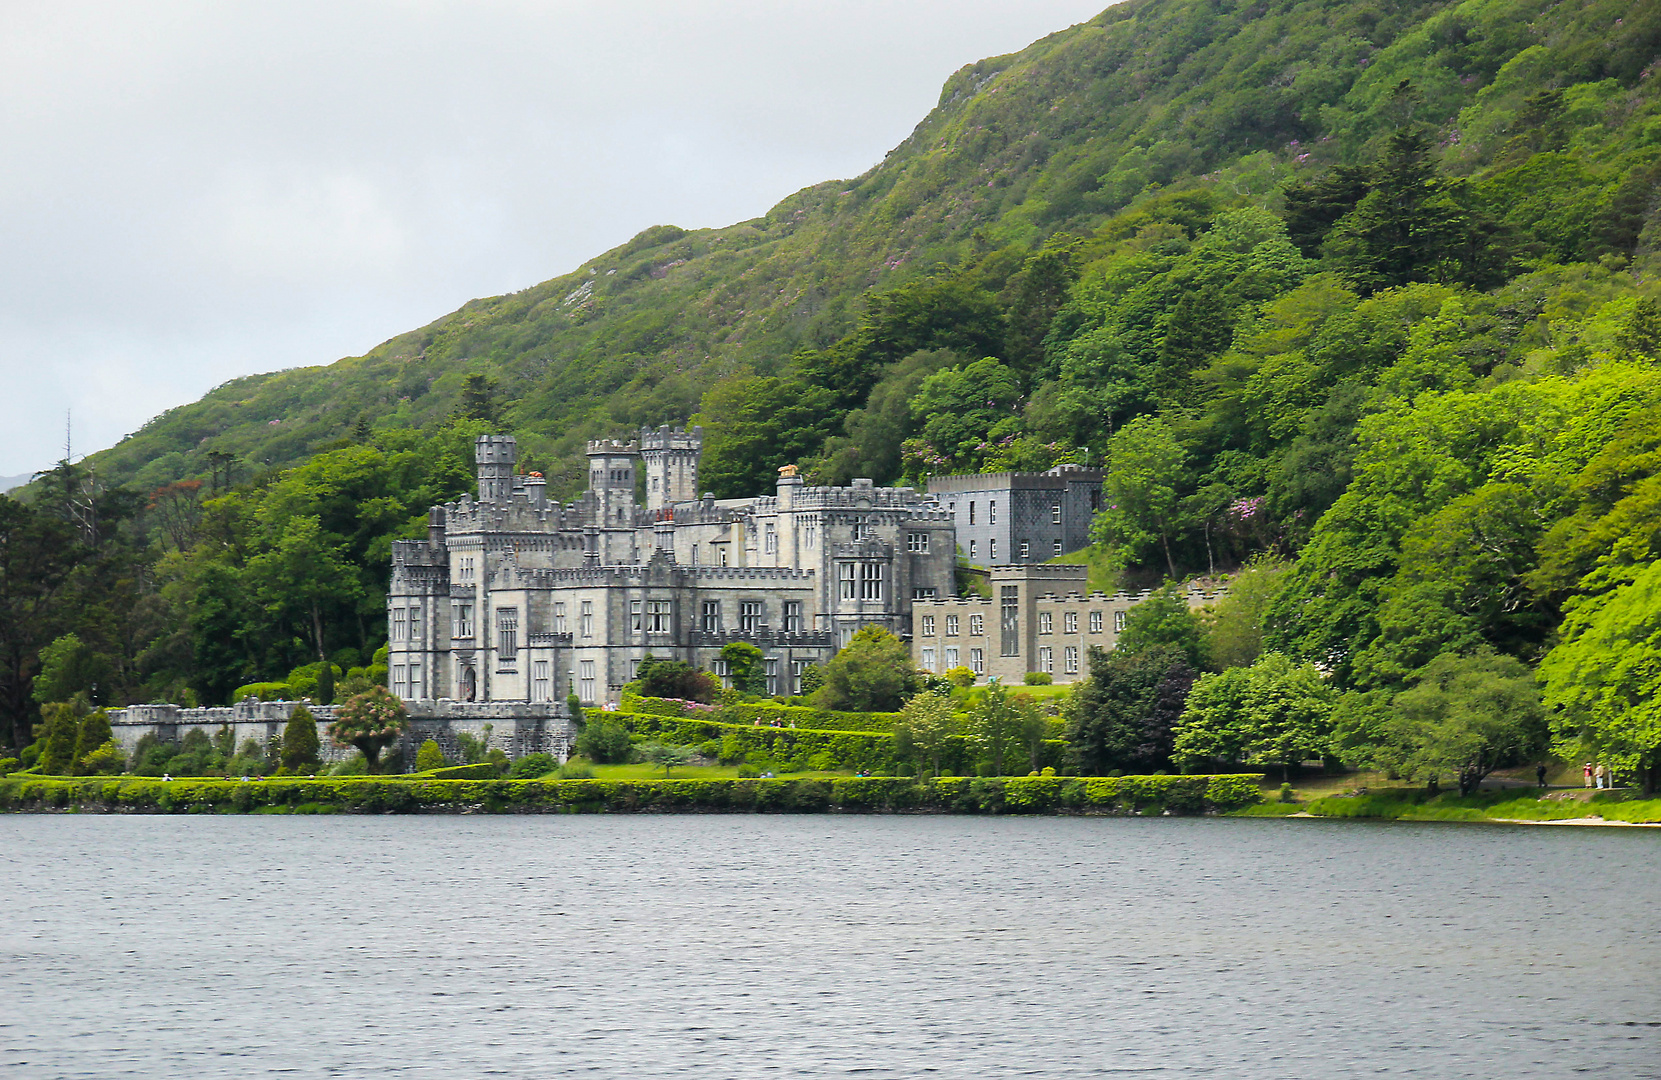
[[712, 616], [977, 661], [928, 659], [951, 659], [585, 681], [464, 620], [695, 550], [1095, 622], [559, 619], [1071, 621], [1026, 551], [1009, 602], [974, 549], [749, 616], [792, 616], [772, 677], [1055, 515], [977, 625], [862, 528], [1056, 547], [400, 680], [921, 592], [992, 550], [971, 511], [720, 669], [659, 616], [1118, 622], [846, 575], [588, 622], [991, 512], [1070, 657], [416, 690], [541, 689], [951, 625], [796, 676], [870, 581], [770, 538], [507, 634], [928, 625], [917, 543], [397, 633], [1046, 623], [634, 614], [415, 622], [1046, 660]]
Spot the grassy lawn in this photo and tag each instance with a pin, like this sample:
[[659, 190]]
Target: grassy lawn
[[1103, 578]]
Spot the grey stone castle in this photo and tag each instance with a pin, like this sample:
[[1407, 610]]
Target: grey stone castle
[[514, 598]]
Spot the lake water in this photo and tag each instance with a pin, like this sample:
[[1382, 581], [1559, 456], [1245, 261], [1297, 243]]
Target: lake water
[[750, 946]]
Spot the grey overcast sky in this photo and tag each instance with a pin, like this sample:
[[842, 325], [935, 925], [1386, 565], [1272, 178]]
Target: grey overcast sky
[[193, 191]]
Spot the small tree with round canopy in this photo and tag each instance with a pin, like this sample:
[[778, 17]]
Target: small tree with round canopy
[[371, 721]]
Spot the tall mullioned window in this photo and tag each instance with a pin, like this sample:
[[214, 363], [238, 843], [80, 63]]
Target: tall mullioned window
[[1071, 621], [507, 634], [951, 625], [792, 616], [711, 616], [588, 621], [541, 685], [559, 619], [659, 616], [415, 622], [977, 626], [397, 633], [1095, 622], [749, 616], [586, 687], [1009, 611], [870, 581], [464, 620], [848, 580]]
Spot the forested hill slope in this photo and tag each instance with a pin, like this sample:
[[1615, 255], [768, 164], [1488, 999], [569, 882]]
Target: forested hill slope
[[1227, 100]]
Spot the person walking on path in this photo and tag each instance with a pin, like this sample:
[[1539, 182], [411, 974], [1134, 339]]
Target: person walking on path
[[1540, 773], [1602, 775], [1586, 774]]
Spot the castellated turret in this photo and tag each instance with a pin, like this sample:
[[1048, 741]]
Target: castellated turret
[[495, 456], [611, 466], [670, 459]]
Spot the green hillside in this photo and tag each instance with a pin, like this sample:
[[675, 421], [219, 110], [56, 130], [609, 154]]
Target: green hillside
[[1231, 99], [1355, 300]]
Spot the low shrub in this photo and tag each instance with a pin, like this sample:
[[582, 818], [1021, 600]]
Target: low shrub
[[264, 691], [1038, 678], [532, 766]]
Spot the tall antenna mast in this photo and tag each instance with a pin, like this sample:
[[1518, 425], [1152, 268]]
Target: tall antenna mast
[[68, 416]]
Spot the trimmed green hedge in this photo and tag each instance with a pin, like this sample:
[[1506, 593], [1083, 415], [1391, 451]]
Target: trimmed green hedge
[[767, 712], [481, 771], [1029, 795]]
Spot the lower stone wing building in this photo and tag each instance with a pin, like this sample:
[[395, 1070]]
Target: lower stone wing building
[[513, 598]]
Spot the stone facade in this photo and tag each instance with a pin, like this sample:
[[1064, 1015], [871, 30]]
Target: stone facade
[[1038, 619], [516, 728], [1016, 518], [513, 598]]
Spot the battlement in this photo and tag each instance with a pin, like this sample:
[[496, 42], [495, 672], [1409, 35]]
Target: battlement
[[665, 439], [613, 448]]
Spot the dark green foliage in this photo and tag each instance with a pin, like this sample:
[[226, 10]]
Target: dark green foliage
[[604, 739], [429, 756], [93, 733], [532, 766], [676, 679], [63, 729], [1164, 621], [746, 667], [325, 684], [872, 673], [300, 743], [1122, 716]]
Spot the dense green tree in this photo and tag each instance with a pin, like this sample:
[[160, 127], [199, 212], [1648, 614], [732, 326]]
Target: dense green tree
[[872, 673], [1164, 619], [428, 757], [754, 424], [371, 721], [927, 723], [93, 733], [61, 722], [997, 723], [68, 666], [963, 411], [1146, 471], [301, 747], [604, 739], [37, 556], [676, 679], [1234, 627], [1121, 717], [1466, 715], [746, 667], [1603, 680], [1275, 712]]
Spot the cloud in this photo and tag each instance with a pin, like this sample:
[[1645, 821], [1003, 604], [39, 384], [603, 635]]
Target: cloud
[[197, 190]]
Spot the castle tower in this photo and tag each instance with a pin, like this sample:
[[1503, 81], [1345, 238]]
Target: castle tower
[[669, 457], [611, 466], [495, 456]]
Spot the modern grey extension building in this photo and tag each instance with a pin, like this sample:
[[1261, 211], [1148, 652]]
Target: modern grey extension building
[[1011, 518]]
